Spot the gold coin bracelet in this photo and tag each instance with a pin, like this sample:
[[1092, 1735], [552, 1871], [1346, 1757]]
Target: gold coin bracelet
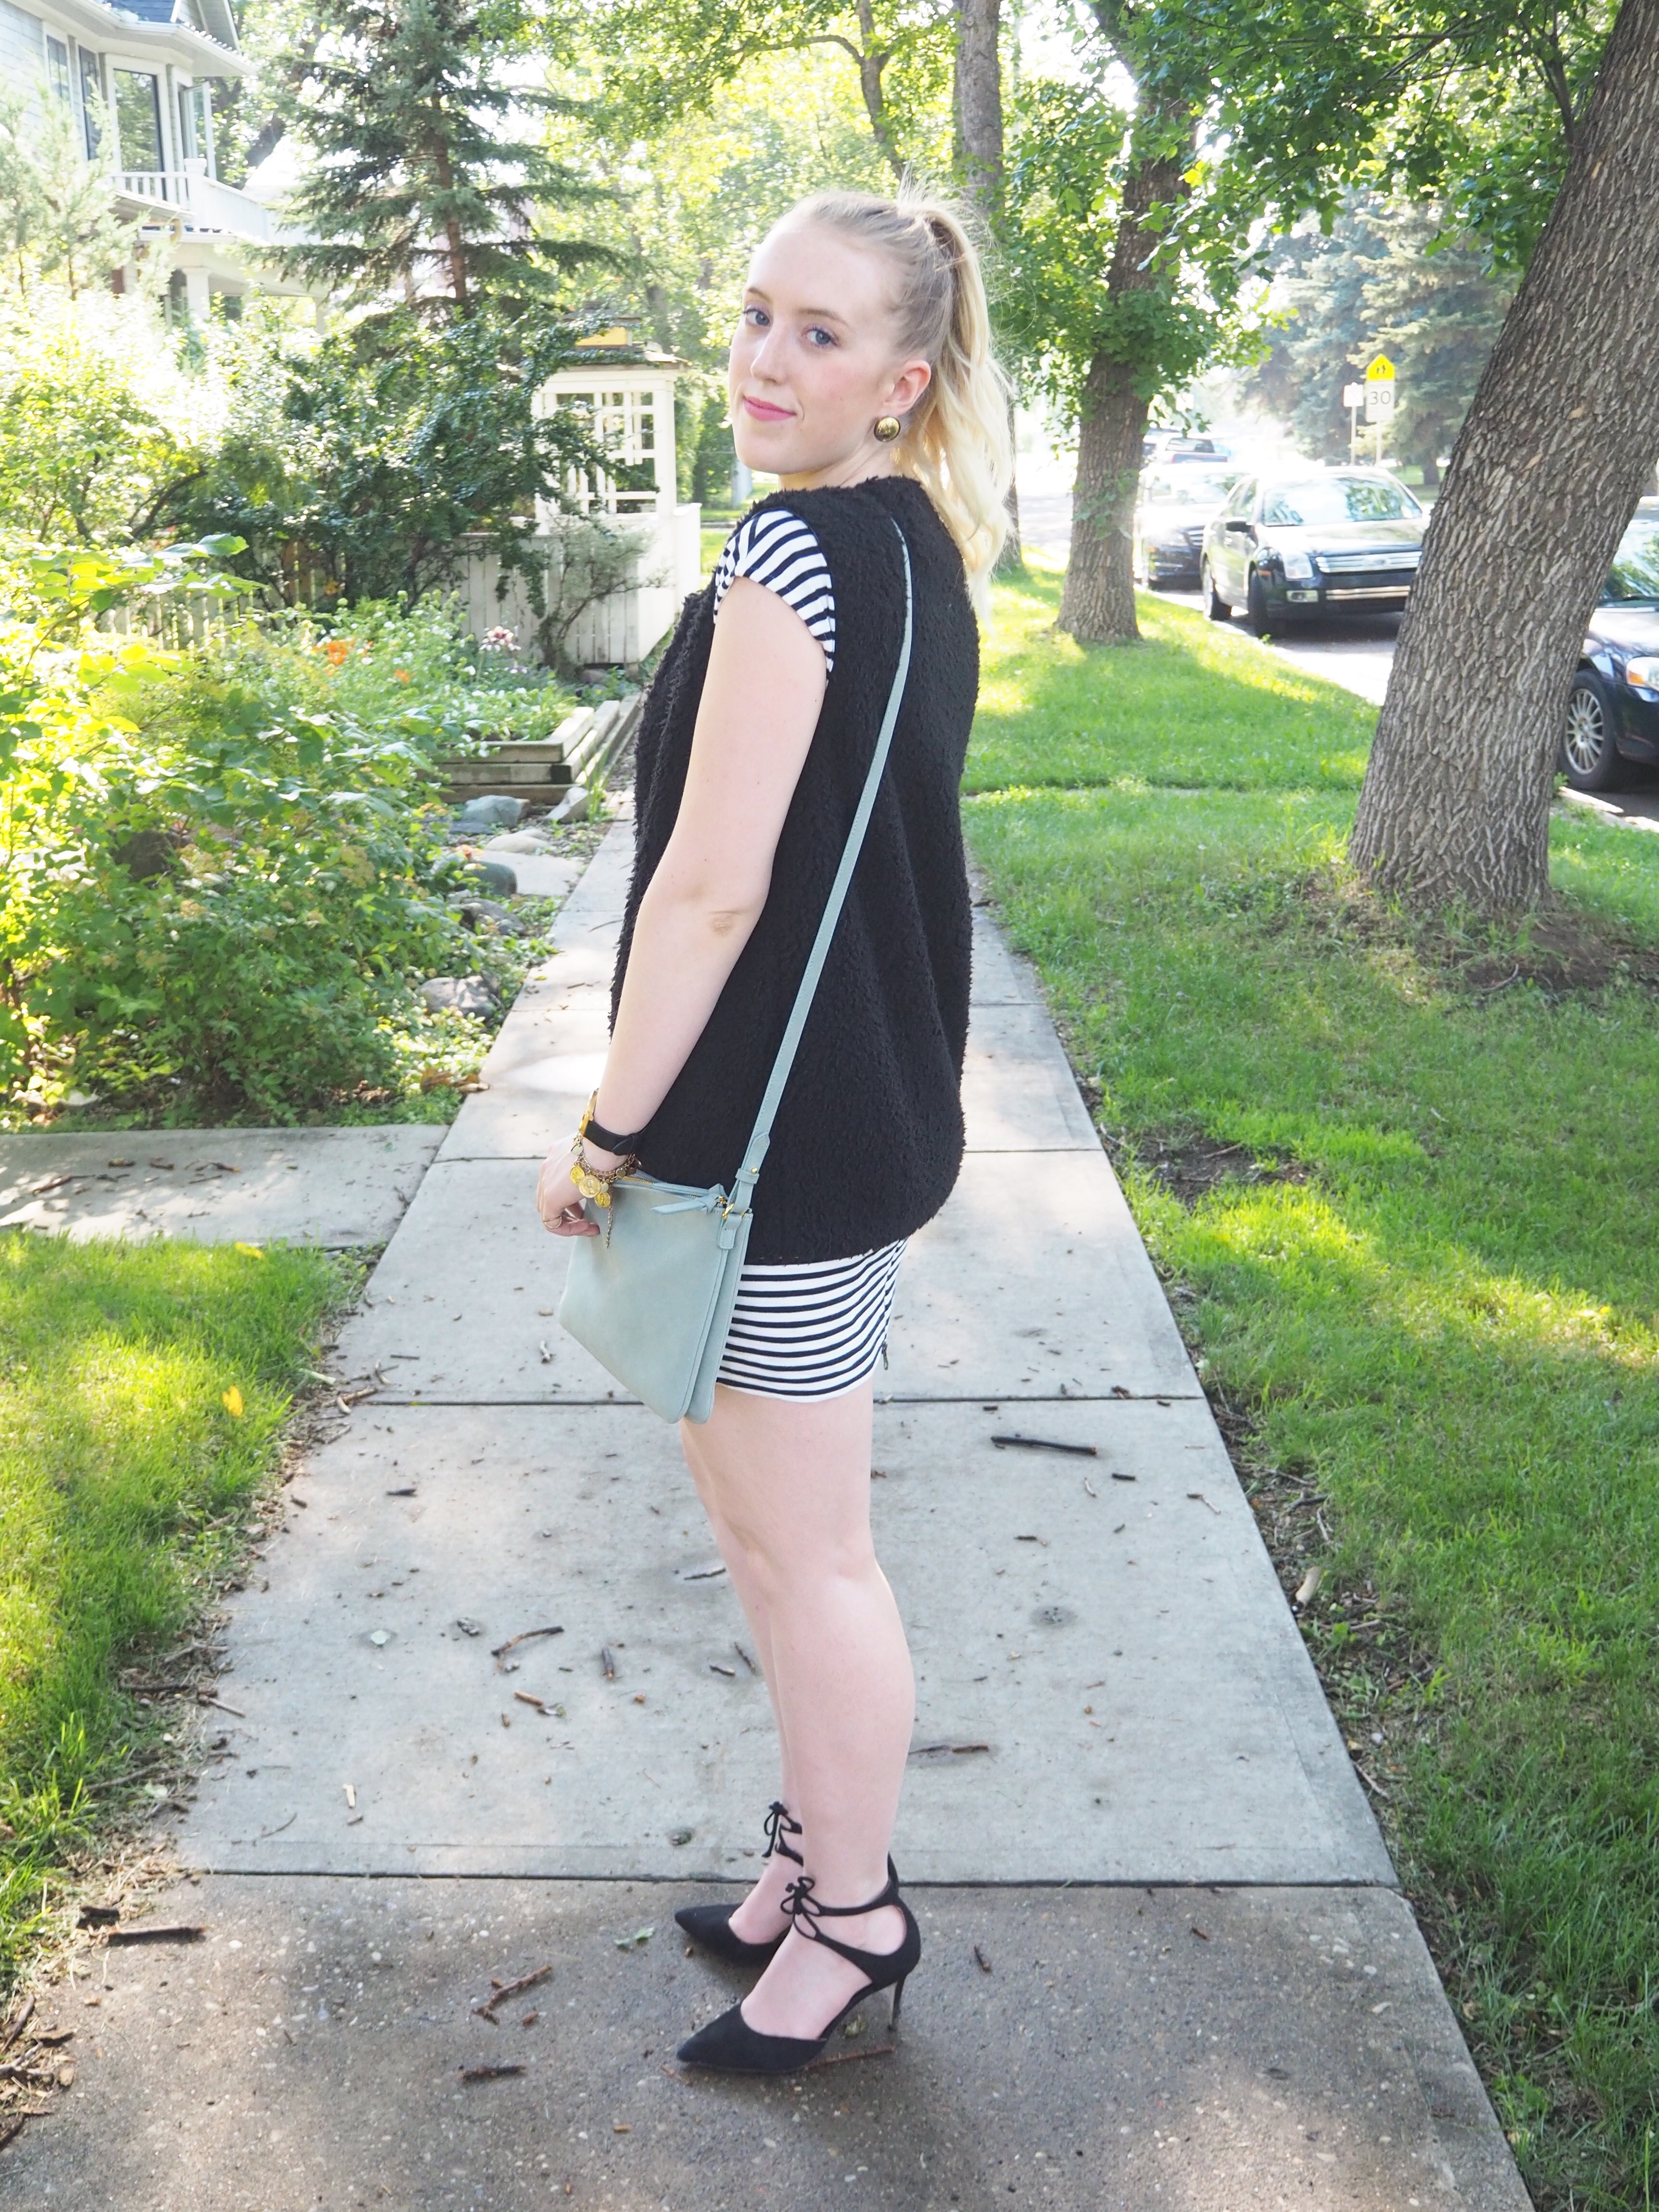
[[595, 1183]]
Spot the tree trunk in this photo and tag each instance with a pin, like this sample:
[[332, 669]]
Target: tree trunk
[[979, 108], [1549, 464], [1097, 604], [979, 162], [873, 60]]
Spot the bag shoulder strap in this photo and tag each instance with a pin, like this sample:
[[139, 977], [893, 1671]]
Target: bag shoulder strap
[[755, 1151]]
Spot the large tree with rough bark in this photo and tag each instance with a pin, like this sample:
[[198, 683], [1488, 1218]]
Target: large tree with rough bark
[[1550, 459]]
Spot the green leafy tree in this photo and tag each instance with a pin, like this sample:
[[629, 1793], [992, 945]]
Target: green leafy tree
[[421, 184], [668, 59], [1126, 257]]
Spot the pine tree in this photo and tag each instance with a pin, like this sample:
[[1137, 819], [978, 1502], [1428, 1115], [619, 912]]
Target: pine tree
[[57, 220], [1388, 279], [417, 189]]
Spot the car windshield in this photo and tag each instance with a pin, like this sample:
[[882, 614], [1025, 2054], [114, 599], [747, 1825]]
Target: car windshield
[[1635, 571], [1191, 488], [1326, 500]]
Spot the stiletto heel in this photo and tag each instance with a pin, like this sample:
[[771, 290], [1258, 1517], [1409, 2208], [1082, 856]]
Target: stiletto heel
[[898, 1999], [729, 2046], [711, 1924]]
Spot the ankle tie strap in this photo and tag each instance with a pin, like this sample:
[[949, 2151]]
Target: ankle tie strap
[[805, 1910], [777, 1823]]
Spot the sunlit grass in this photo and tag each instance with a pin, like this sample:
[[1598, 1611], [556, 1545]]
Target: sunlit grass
[[124, 1479], [1452, 1322], [1194, 704]]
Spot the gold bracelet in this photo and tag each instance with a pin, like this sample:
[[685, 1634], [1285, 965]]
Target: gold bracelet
[[595, 1183]]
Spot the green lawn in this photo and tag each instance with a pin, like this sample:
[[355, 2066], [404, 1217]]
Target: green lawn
[[1431, 1288], [125, 1485], [1195, 705]]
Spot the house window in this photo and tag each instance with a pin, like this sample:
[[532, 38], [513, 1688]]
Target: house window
[[138, 119], [58, 68], [92, 101], [190, 138]]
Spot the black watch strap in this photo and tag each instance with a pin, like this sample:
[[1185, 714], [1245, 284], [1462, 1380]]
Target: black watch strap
[[608, 1139]]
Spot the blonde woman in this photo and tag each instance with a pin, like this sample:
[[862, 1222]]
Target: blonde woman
[[860, 375]]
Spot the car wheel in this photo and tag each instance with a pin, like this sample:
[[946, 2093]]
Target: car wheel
[[1257, 620], [1589, 752], [1218, 608]]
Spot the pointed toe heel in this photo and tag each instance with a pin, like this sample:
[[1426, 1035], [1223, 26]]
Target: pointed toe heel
[[729, 2046]]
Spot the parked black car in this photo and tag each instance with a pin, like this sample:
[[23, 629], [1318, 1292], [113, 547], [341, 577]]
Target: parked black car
[[1613, 716], [1174, 505], [1293, 548]]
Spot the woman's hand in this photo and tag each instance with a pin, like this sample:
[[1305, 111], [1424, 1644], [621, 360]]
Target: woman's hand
[[558, 1202]]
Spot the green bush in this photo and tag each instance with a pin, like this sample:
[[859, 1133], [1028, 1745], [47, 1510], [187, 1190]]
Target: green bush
[[415, 672], [220, 887]]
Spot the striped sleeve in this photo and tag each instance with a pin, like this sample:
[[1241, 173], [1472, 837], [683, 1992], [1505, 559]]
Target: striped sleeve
[[776, 548]]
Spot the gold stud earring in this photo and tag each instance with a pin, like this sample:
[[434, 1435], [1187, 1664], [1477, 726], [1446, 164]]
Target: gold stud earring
[[888, 428]]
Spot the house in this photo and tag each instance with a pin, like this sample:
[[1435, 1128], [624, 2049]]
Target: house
[[140, 83]]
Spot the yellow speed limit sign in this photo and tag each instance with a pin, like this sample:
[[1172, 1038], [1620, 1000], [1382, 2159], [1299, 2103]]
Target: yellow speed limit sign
[[1379, 389]]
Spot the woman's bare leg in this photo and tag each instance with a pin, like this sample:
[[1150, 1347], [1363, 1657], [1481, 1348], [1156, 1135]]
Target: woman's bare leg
[[757, 1919], [788, 1486]]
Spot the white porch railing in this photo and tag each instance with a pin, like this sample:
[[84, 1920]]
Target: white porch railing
[[201, 203]]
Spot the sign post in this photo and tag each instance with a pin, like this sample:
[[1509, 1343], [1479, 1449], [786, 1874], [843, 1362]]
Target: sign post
[[1379, 398], [1353, 399]]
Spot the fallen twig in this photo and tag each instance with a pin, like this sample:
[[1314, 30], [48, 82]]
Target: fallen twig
[[487, 2009], [499, 1651], [1046, 1444], [182, 1934], [489, 2073]]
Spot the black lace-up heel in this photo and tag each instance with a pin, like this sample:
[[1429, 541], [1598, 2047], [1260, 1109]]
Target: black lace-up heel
[[711, 1924], [729, 2046]]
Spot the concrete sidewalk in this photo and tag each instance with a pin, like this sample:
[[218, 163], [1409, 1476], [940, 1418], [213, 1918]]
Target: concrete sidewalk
[[1166, 1962]]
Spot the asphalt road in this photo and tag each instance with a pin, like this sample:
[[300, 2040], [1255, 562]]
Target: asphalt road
[[1357, 653]]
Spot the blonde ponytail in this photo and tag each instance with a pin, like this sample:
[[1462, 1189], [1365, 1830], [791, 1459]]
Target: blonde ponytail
[[955, 440]]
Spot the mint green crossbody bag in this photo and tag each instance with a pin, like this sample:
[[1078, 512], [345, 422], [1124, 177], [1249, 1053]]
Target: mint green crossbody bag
[[651, 1297]]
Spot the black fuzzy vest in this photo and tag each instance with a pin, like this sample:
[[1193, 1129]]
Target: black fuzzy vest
[[868, 1139]]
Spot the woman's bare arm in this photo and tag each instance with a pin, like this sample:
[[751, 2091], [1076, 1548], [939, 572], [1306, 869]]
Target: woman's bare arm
[[760, 705]]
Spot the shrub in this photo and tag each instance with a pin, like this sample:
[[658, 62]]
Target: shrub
[[217, 896]]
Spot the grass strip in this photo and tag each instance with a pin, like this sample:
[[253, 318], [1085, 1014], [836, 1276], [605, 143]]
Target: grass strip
[[144, 1390], [1403, 1180], [1195, 703]]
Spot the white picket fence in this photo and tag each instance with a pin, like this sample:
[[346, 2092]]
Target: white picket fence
[[615, 631]]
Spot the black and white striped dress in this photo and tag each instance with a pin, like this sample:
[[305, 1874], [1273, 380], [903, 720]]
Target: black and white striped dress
[[817, 1329]]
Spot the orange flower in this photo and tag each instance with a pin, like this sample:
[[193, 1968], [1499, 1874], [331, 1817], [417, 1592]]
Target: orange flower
[[402, 675], [337, 649]]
